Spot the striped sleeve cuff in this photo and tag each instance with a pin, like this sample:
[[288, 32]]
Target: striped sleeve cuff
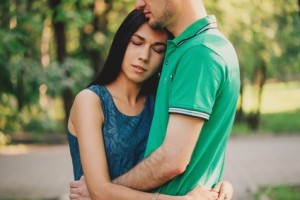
[[189, 112]]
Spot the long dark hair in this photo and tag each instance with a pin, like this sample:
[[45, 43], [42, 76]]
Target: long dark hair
[[113, 63]]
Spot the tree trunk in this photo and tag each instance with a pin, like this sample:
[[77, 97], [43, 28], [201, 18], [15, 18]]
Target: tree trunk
[[299, 7], [19, 89], [4, 14], [5, 80], [60, 37], [101, 10], [240, 115], [261, 74], [100, 24]]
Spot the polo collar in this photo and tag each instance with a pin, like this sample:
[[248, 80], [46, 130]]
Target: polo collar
[[196, 28]]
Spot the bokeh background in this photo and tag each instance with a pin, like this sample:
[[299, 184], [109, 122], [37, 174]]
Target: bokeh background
[[51, 49]]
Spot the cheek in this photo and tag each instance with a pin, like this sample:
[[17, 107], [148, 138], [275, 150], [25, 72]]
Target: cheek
[[128, 56], [156, 62]]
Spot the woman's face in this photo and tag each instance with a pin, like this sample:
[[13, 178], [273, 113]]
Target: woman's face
[[144, 53]]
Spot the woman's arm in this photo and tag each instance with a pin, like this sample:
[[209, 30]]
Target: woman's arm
[[222, 191], [79, 191], [86, 120]]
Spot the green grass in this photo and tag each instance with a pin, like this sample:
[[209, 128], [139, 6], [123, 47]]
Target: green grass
[[286, 122], [276, 97], [280, 109], [282, 192], [275, 123]]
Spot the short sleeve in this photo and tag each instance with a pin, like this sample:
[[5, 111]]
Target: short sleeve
[[196, 81]]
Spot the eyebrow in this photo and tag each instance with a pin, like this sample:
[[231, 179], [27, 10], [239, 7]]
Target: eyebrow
[[142, 38]]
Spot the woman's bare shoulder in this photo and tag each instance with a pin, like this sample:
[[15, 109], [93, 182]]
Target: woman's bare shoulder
[[87, 96], [86, 102]]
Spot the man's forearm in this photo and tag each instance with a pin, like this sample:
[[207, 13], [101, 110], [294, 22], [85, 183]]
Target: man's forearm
[[152, 172], [170, 159]]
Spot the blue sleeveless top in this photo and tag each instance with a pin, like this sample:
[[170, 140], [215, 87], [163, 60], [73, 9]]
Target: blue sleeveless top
[[125, 137]]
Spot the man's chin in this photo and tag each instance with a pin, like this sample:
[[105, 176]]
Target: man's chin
[[155, 24]]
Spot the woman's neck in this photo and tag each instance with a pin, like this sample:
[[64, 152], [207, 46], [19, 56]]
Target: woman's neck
[[124, 90], [126, 96]]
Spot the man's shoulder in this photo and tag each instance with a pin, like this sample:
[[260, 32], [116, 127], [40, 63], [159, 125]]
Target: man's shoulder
[[215, 39], [199, 51], [206, 42], [209, 46], [214, 43]]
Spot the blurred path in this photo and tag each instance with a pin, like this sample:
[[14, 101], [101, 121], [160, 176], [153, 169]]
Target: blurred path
[[44, 172], [35, 172], [261, 161]]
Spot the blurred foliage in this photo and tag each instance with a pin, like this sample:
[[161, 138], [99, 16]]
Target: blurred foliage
[[4, 139], [265, 35], [80, 76]]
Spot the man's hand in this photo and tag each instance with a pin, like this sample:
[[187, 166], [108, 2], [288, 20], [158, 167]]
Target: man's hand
[[203, 193], [224, 189], [78, 190]]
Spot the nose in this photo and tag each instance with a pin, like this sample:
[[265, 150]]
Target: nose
[[140, 4], [144, 55]]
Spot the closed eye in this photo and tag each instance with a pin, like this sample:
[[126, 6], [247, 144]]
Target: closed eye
[[137, 40], [136, 43], [159, 48]]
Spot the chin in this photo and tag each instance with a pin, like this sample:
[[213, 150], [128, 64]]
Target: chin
[[154, 24], [138, 80]]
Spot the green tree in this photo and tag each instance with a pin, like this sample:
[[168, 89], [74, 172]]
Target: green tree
[[56, 47], [266, 37], [59, 44]]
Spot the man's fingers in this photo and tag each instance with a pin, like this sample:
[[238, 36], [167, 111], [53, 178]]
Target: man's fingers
[[222, 196], [74, 191], [202, 187], [217, 188], [73, 196], [74, 184]]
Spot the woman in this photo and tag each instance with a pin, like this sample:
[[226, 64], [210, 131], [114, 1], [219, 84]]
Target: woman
[[111, 134]]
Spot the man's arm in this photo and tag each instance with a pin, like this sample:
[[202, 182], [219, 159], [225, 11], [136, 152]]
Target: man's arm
[[86, 117], [170, 159]]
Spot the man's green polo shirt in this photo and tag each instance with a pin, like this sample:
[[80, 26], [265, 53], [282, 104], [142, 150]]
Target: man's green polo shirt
[[200, 78]]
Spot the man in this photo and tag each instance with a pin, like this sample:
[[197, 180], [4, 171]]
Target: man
[[195, 103]]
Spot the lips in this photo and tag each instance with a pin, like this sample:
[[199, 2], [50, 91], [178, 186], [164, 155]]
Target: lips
[[138, 69], [147, 14]]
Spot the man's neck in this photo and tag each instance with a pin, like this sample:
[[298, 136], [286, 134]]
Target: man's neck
[[187, 16]]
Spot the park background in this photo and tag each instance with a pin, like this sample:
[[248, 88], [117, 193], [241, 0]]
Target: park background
[[51, 49]]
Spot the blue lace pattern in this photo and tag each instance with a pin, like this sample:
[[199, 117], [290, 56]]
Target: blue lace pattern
[[125, 137]]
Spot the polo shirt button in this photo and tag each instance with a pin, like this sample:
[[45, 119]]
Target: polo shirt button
[[167, 62]]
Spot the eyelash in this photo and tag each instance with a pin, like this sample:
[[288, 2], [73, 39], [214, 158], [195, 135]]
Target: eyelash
[[157, 51], [136, 43]]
